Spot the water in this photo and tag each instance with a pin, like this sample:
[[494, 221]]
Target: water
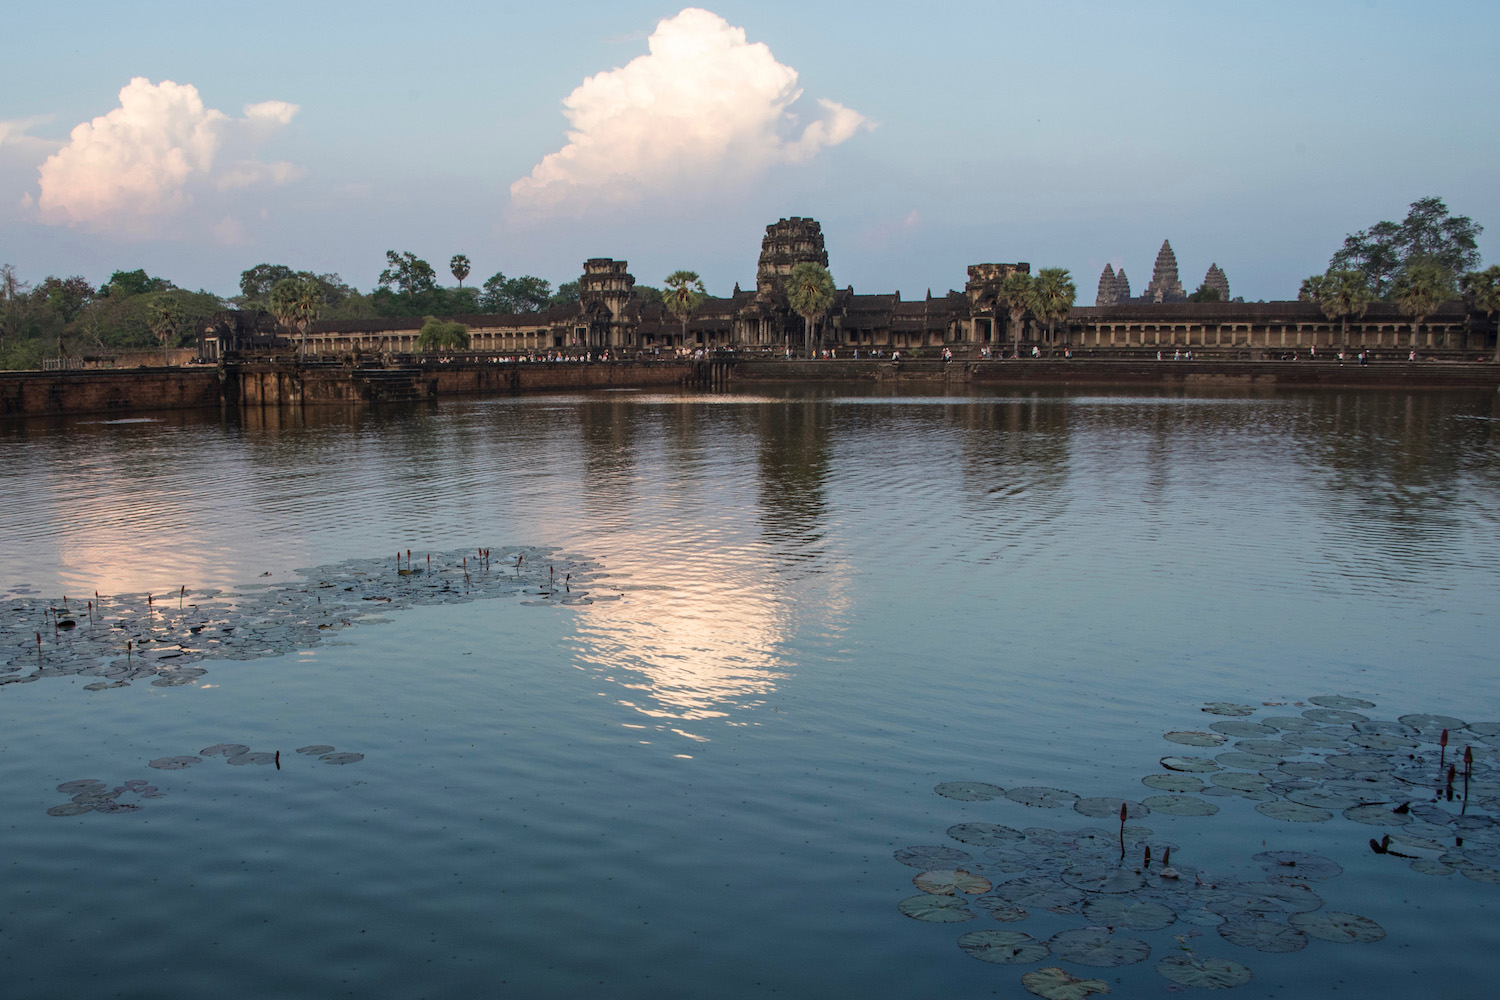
[[814, 607]]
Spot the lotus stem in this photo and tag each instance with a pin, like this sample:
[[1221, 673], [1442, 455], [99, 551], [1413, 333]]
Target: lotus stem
[[1442, 749]]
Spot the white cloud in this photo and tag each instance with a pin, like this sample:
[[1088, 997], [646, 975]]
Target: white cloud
[[14, 133], [703, 109], [147, 158]]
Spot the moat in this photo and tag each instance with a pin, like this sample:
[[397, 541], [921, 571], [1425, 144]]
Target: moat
[[690, 676]]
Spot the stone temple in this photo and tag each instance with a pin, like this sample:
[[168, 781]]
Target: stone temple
[[1216, 280], [1165, 285]]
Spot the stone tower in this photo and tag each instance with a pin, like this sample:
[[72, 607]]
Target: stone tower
[[1216, 279], [1165, 285], [788, 243], [606, 281], [1107, 292], [1122, 287]]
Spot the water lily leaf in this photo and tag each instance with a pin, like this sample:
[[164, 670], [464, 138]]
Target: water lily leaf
[[1106, 808], [984, 834], [1002, 947], [1377, 814], [1103, 878], [1340, 928], [1360, 762], [1177, 782], [1203, 972], [1239, 781], [1250, 761], [1339, 701], [339, 758], [1299, 863], [1426, 866], [1228, 708], [241, 759], [1310, 740], [1333, 715], [1481, 873], [1241, 729], [1276, 749], [1291, 723], [1098, 947], [1195, 764], [1181, 805], [969, 791], [227, 749], [999, 909], [1433, 724], [79, 785], [946, 883], [71, 809], [1039, 893], [316, 749], [1053, 983], [1040, 797], [936, 909], [1322, 798], [1195, 738], [173, 763], [932, 857], [1379, 741], [1121, 911], [1263, 935], [1292, 812]]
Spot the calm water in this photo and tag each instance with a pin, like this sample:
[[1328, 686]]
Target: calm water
[[827, 604]]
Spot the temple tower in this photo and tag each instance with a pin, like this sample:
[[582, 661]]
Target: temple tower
[[1218, 281], [1122, 287], [1165, 286], [788, 243], [606, 281], [1107, 292]]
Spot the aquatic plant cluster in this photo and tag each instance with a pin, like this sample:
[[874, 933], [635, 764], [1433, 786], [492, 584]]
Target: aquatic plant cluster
[[165, 638], [1430, 784], [93, 795]]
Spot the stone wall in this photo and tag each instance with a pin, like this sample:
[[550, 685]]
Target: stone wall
[[107, 391]]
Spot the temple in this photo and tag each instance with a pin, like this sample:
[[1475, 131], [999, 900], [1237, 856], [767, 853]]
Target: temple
[[611, 316]]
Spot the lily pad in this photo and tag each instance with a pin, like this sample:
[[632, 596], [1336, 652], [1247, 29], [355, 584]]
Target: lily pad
[[79, 785], [1173, 782], [1339, 701], [173, 763], [936, 909], [984, 834], [1333, 715], [1292, 812], [1053, 983], [1263, 935], [1203, 972], [1192, 764], [1290, 723], [1098, 947], [1322, 798], [226, 749], [1228, 708], [1107, 808], [1002, 947], [1377, 814], [1040, 797], [932, 857], [70, 809], [1340, 928], [1181, 805], [316, 749], [1299, 863], [1137, 914], [1103, 878], [1426, 866], [339, 758], [1242, 729], [1239, 781], [1000, 909], [951, 881], [241, 759], [1039, 893], [1433, 724], [1194, 738]]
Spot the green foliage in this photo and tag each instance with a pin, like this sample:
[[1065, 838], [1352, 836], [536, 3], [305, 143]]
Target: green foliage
[[809, 291], [123, 284], [1052, 295], [296, 302], [412, 276], [526, 294], [567, 293], [1204, 294], [1015, 297], [1418, 290], [1482, 293], [1428, 235], [647, 294], [684, 294], [166, 323], [1342, 295], [256, 282], [459, 265], [438, 335]]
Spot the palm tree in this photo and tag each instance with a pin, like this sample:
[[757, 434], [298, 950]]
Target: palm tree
[[165, 319], [1015, 296], [809, 291], [295, 302], [459, 265], [684, 294], [1418, 290], [1342, 295], [1482, 289], [1053, 293]]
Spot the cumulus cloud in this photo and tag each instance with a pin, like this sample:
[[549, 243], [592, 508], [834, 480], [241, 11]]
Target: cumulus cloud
[[704, 107], [145, 159]]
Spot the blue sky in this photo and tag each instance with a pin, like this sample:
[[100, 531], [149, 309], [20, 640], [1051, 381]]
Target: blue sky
[[1254, 135]]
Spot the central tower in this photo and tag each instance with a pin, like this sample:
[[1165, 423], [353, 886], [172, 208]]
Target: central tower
[[788, 243]]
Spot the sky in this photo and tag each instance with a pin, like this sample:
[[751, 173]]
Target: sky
[[197, 140]]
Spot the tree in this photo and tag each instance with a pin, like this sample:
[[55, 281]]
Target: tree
[[412, 275], [1428, 234], [1053, 294], [166, 318], [526, 294], [1342, 295], [66, 297], [295, 302], [256, 282], [1419, 289], [492, 295], [684, 294], [123, 284], [1482, 291], [1015, 297], [459, 265], [567, 293], [437, 335], [809, 291], [1204, 294], [647, 294], [13, 301]]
